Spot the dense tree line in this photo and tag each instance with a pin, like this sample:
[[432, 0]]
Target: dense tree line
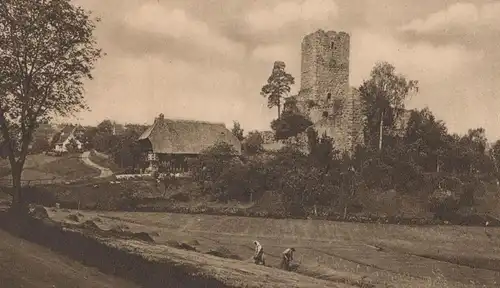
[[420, 158], [116, 140]]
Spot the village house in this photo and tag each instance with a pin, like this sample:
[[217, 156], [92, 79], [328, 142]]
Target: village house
[[67, 134], [170, 143]]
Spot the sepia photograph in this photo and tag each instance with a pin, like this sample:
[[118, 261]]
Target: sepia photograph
[[249, 143]]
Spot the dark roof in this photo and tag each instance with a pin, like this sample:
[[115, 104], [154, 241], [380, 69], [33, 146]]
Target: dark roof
[[65, 132], [168, 136]]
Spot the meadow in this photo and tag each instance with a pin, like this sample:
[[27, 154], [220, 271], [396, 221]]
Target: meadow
[[362, 255]]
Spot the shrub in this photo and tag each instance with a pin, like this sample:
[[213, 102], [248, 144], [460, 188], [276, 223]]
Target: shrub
[[323, 181], [72, 146], [253, 143], [180, 197], [444, 203], [213, 160], [290, 125], [40, 145]]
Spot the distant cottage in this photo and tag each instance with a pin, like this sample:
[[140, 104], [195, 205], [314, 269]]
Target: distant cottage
[[66, 135], [170, 142]]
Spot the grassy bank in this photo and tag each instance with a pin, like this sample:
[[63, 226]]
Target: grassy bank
[[153, 265], [43, 168], [147, 196]]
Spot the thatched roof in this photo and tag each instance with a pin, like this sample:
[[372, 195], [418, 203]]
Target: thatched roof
[[169, 136]]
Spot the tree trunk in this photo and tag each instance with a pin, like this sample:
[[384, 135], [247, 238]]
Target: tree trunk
[[18, 205], [381, 131], [437, 164], [279, 109]]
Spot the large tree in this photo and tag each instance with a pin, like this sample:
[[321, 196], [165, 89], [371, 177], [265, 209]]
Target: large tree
[[47, 50], [291, 123], [426, 139], [384, 95], [253, 142], [127, 152], [278, 86], [495, 156], [476, 143], [237, 130], [105, 127]]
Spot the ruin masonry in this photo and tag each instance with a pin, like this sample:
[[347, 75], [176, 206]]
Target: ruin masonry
[[325, 95]]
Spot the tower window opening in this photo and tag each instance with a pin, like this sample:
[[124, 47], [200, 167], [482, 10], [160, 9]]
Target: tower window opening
[[325, 114], [329, 96], [332, 45], [337, 105]]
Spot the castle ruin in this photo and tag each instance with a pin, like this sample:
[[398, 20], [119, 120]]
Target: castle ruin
[[325, 95]]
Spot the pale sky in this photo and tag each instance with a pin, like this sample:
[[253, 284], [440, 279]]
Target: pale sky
[[208, 59]]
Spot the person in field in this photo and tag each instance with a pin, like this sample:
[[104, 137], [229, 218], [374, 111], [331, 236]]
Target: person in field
[[286, 258], [259, 253]]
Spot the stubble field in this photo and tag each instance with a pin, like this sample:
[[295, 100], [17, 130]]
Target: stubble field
[[362, 255]]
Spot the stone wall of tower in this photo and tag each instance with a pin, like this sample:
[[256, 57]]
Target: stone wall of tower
[[324, 70], [325, 95]]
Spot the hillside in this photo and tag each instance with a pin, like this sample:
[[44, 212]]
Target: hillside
[[104, 161], [47, 268], [44, 169], [359, 254]]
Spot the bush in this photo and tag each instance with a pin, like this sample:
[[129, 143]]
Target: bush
[[253, 143], [213, 162], [324, 182], [40, 145], [72, 146], [181, 197], [444, 203]]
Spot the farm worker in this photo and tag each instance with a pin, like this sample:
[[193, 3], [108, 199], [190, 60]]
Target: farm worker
[[259, 253], [286, 258]]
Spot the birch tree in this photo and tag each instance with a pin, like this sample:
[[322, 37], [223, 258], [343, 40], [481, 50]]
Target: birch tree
[[384, 96]]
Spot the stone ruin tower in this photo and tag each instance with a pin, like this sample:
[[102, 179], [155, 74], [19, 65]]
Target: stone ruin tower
[[325, 95]]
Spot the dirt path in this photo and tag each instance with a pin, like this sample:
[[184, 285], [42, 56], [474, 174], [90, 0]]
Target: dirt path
[[24, 264], [105, 172]]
